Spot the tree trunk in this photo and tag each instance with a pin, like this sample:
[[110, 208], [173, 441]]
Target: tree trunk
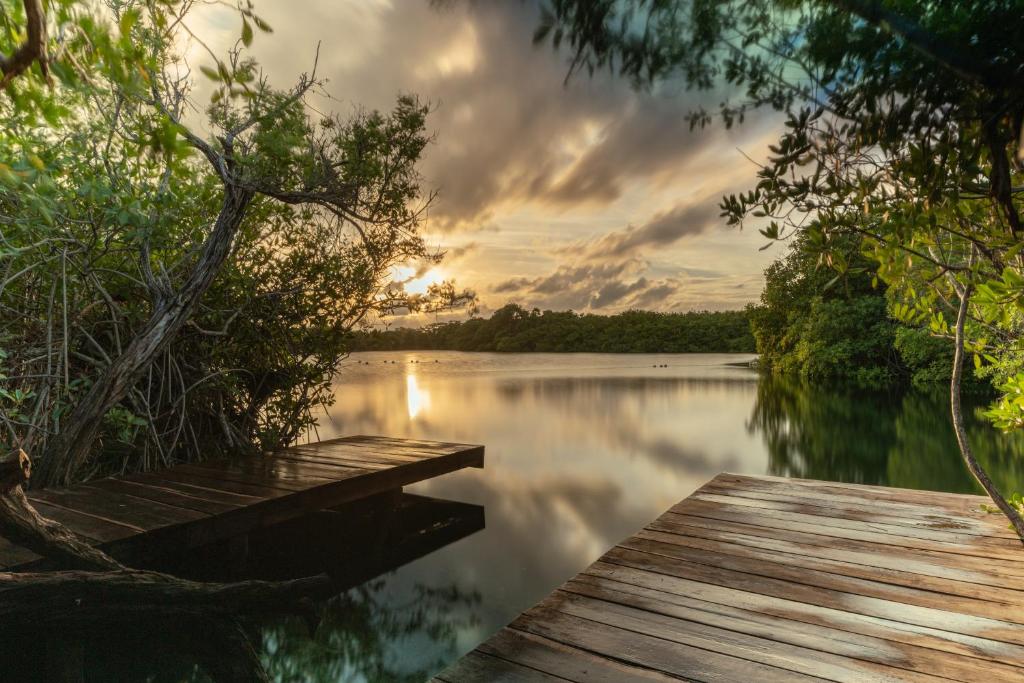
[[32, 599], [33, 50], [70, 448], [22, 524], [958, 422]]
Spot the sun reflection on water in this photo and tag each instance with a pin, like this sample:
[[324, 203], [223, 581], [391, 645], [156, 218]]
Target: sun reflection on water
[[417, 399]]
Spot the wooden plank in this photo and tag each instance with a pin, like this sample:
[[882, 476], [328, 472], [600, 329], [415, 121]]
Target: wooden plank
[[875, 567], [210, 481], [190, 504], [483, 668], [816, 515], [726, 641], [340, 451], [709, 525], [275, 469], [879, 654], [805, 611], [868, 491], [164, 495], [856, 531], [390, 445], [92, 528], [652, 652], [219, 495], [941, 513], [321, 460], [117, 507], [565, 662], [761, 578], [865, 588]]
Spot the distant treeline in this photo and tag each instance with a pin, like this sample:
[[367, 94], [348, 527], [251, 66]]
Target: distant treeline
[[514, 328]]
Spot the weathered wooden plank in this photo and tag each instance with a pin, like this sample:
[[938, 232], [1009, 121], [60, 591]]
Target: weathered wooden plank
[[163, 495], [816, 515], [949, 512], [566, 662], [764, 566], [865, 490], [780, 608], [757, 578], [876, 567], [856, 531], [652, 652], [726, 641], [877, 654], [698, 525], [201, 490], [190, 504], [117, 507], [212, 481], [477, 667], [320, 459], [88, 526]]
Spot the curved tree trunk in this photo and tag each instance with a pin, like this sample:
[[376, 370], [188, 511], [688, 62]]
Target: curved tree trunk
[[39, 598], [22, 524], [958, 422], [68, 450]]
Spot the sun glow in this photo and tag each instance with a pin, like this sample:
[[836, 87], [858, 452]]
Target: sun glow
[[431, 277], [416, 399]]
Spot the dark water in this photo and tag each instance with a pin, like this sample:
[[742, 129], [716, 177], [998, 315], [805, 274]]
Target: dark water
[[582, 450]]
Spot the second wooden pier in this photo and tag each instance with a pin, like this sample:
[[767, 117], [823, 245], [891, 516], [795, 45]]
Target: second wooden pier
[[767, 579], [189, 505]]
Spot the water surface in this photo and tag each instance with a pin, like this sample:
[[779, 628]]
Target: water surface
[[584, 449]]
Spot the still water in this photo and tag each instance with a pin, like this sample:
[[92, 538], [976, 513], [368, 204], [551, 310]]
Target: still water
[[583, 450]]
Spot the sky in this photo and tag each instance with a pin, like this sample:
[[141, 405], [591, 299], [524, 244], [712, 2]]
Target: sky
[[586, 195]]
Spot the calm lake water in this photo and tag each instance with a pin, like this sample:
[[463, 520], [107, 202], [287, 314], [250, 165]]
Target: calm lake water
[[583, 450]]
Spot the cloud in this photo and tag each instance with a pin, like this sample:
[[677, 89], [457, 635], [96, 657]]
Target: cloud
[[509, 130], [662, 230], [605, 287], [518, 150], [514, 285]]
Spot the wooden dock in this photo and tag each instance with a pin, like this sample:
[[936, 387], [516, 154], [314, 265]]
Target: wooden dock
[[190, 505], [767, 579]]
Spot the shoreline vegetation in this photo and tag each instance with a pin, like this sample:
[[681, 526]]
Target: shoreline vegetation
[[514, 328]]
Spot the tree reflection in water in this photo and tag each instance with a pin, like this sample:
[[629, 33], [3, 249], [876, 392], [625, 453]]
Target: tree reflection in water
[[902, 439], [361, 634]]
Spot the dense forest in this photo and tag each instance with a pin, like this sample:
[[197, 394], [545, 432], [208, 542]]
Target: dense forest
[[514, 328], [821, 328]]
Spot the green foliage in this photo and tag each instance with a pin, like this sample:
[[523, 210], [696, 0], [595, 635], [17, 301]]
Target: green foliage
[[814, 326], [515, 329], [108, 202], [902, 439], [927, 357], [903, 122]]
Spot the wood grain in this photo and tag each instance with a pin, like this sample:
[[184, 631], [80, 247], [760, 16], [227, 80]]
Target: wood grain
[[763, 578], [190, 504]]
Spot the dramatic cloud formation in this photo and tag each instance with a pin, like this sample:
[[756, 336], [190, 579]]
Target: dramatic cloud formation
[[662, 230], [537, 177]]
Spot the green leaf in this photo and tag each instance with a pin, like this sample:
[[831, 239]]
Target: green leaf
[[210, 73], [246, 33]]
